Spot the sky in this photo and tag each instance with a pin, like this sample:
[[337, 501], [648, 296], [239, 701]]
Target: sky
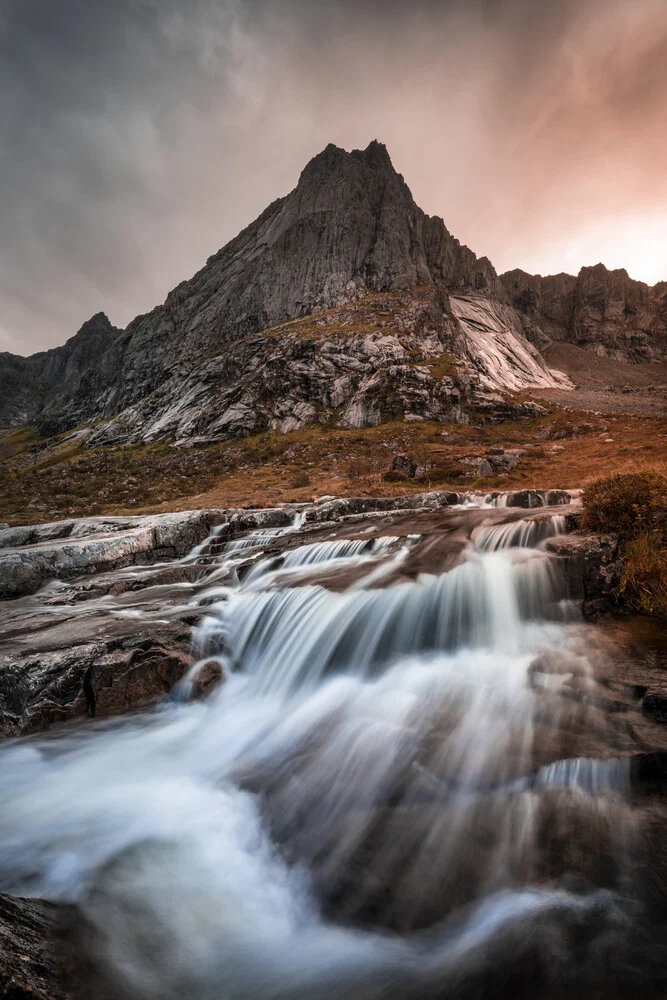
[[138, 136]]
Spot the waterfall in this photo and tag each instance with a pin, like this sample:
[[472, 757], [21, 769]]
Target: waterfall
[[396, 792], [320, 553], [524, 533]]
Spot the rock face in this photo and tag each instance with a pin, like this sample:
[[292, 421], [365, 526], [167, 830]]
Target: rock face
[[383, 357], [28, 967], [593, 567], [65, 675], [603, 311]]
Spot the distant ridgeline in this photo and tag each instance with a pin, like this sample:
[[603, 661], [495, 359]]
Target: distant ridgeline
[[343, 302]]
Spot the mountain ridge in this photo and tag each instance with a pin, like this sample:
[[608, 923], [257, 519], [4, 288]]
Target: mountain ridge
[[350, 228]]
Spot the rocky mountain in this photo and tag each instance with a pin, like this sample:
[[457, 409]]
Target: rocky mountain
[[342, 302], [38, 386], [603, 311]]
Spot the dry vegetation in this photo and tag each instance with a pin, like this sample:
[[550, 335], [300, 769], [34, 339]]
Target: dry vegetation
[[44, 480], [634, 506]]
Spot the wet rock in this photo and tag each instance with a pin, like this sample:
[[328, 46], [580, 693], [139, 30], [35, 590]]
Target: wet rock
[[28, 966], [526, 499], [649, 772], [655, 706], [209, 676], [271, 517], [70, 672], [556, 497], [593, 568]]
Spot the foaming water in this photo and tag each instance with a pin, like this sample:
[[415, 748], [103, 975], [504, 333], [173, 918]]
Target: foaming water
[[393, 794]]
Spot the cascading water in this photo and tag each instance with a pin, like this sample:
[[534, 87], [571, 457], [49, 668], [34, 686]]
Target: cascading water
[[521, 534], [397, 792]]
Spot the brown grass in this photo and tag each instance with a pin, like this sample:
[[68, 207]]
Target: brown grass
[[634, 506], [70, 480], [644, 584]]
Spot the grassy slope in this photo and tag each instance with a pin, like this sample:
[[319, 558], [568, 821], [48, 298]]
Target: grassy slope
[[66, 479]]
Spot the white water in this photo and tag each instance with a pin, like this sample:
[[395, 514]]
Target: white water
[[388, 757], [520, 534]]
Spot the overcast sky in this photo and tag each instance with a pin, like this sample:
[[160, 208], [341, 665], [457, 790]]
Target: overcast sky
[[139, 136]]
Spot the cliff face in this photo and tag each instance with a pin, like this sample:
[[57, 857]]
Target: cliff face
[[603, 311], [418, 355]]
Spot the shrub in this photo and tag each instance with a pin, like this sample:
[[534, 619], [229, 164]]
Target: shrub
[[301, 479], [628, 505]]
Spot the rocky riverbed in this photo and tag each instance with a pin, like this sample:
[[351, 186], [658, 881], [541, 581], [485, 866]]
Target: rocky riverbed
[[108, 616]]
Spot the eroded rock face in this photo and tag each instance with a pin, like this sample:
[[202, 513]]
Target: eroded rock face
[[593, 567], [67, 674], [603, 311], [385, 357]]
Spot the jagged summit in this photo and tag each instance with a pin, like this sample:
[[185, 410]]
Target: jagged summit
[[348, 229]]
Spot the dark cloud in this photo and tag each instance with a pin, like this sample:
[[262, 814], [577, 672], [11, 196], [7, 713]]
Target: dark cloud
[[138, 136]]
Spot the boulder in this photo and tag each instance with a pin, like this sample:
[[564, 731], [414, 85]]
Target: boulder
[[526, 499], [405, 465], [593, 568]]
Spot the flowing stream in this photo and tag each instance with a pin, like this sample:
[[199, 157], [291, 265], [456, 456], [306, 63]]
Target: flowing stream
[[398, 792]]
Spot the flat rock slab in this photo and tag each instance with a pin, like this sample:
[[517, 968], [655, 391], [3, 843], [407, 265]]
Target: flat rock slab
[[66, 549]]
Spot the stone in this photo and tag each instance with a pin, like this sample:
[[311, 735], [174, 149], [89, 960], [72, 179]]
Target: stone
[[405, 465], [593, 568], [28, 965], [556, 497], [209, 676], [63, 673], [525, 498], [481, 466]]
